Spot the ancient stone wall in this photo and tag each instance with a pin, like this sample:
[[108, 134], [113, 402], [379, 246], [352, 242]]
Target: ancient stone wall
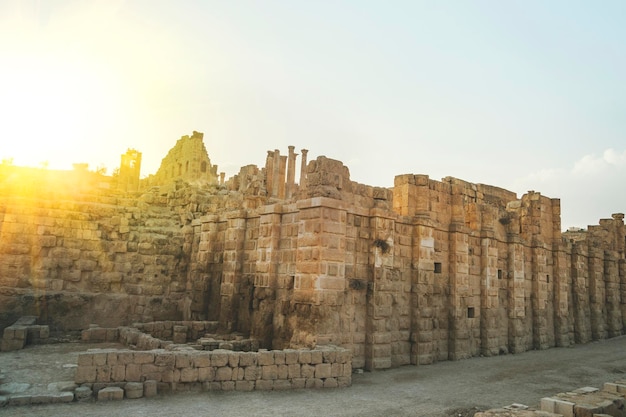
[[422, 272], [219, 370], [428, 271], [72, 259]]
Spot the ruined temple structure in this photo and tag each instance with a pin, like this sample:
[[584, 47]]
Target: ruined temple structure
[[188, 161], [420, 272]]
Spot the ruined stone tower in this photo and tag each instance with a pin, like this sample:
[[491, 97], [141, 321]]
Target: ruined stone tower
[[187, 161]]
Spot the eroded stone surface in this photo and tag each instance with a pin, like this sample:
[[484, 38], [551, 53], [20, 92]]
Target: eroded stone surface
[[420, 272]]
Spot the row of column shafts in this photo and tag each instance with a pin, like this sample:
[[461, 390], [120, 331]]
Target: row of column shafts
[[276, 165]]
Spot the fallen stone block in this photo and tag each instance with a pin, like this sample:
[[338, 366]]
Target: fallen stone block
[[133, 390], [586, 390], [63, 397], [587, 410], [13, 388], [565, 408], [26, 321], [110, 394], [3, 400], [41, 399], [20, 399], [615, 387], [62, 386], [83, 393], [9, 345]]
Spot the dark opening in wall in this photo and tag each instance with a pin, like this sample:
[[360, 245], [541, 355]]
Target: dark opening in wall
[[499, 274], [548, 278], [437, 267], [382, 244], [470, 312]]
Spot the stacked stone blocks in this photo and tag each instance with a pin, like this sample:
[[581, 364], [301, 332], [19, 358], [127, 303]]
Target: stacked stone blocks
[[327, 367]]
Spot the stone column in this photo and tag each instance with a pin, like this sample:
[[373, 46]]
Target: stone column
[[281, 177], [222, 176], [276, 183], [303, 170], [291, 172], [269, 173]]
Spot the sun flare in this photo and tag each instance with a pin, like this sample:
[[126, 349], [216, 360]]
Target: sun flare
[[49, 108]]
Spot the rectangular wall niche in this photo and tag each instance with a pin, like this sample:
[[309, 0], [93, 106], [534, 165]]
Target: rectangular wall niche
[[470, 312], [437, 267]]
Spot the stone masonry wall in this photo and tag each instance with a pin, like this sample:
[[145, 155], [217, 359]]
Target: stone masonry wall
[[84, 259], [421, 272], [326, 367]]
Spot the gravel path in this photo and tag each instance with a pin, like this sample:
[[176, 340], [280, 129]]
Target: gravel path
[[442, 389]]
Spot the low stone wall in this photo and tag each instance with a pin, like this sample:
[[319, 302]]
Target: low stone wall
[[177, 331], [24, 331], [164, 334], [323, 367]]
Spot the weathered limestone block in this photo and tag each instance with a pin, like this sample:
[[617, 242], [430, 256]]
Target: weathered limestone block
[[133, 390], [20, 399], [264, 384], [85, 373], [323, 370], [244, 385], [83, 393], [110, 394], [41, 399], [265, 358], [150, 388], [307, 371]]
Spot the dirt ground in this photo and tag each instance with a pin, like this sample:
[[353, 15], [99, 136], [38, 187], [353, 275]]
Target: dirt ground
[[443, 389]]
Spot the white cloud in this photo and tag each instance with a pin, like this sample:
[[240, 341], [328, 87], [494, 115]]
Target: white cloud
[[590, 189], [593, 164]]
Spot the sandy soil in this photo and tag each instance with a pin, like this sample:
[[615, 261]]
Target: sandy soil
[[443, 389]]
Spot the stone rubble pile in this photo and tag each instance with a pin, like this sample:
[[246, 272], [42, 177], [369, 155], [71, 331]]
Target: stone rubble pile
[[582, 402]]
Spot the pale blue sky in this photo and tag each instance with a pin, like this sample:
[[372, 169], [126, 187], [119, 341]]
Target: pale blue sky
[[518, 94]]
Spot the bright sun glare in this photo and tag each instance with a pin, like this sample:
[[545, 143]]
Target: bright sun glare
[[48, 108]]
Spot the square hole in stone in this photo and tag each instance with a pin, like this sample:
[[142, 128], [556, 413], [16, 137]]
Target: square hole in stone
[[470, 312], [437, 267]]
